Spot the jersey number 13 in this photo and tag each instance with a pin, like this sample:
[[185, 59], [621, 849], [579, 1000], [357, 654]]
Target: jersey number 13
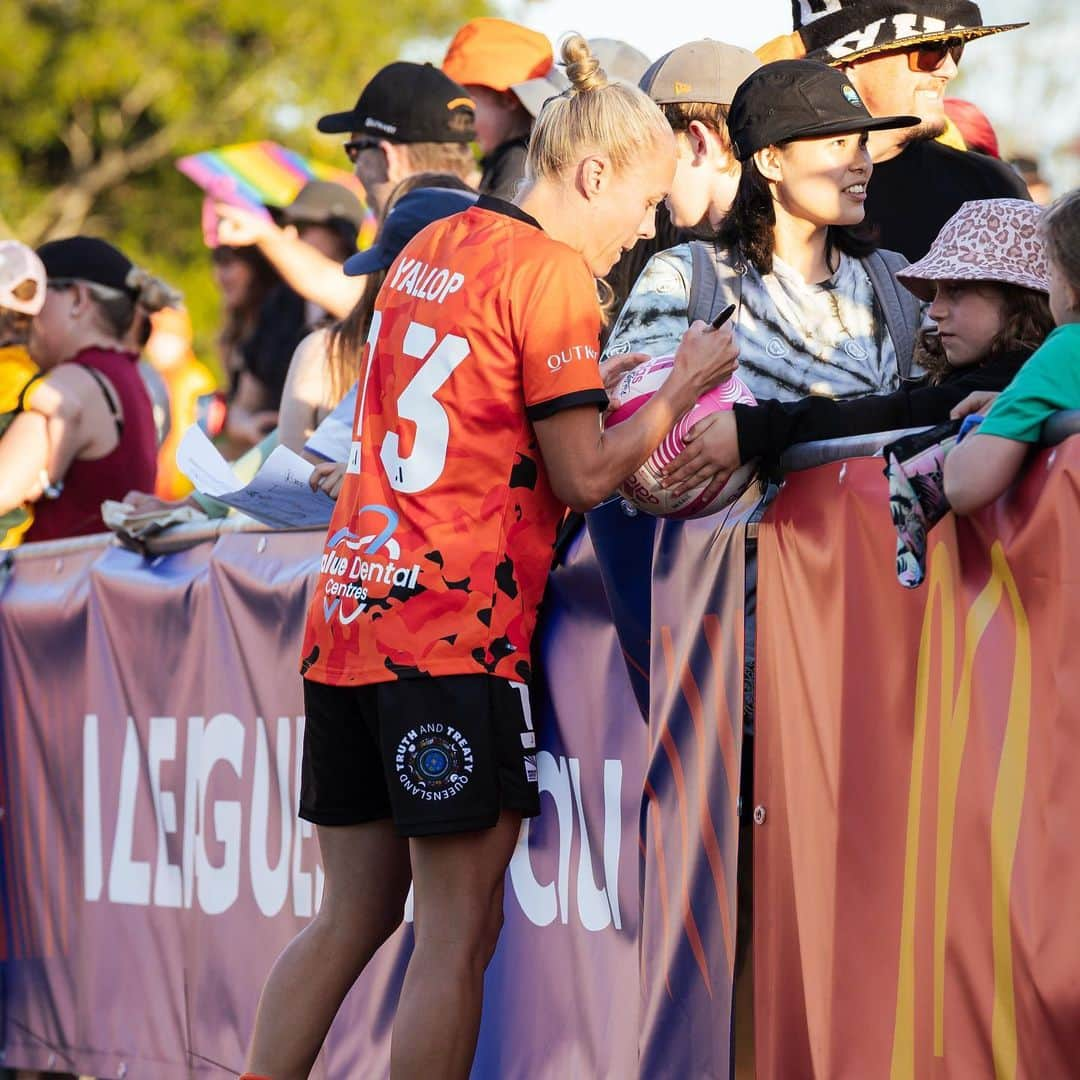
[[417, 403]]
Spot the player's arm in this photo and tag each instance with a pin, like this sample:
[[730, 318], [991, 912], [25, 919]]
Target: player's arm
[[980, 470], [315, 276], [585, 464]]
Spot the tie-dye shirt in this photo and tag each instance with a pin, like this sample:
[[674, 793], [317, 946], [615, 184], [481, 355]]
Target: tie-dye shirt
[[794, 338]]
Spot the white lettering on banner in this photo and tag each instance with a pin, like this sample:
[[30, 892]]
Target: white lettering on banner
[[218, 886], [129, 878], [168, 885], [597, 907], [198, 862], [270, 884], [93, 858]]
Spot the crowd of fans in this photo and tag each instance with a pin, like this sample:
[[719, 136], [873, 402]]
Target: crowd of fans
[[887, 268], [825, 311]]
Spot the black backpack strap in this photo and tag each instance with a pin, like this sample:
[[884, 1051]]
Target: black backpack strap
[[114, 408], [21, 406]]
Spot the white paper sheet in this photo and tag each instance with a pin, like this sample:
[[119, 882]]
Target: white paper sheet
[[279, 495]]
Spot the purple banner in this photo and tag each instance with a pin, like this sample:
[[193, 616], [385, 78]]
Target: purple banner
[[151, 720]]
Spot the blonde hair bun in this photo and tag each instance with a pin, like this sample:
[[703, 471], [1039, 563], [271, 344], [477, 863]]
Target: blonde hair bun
[[151, 292], [582, 68]]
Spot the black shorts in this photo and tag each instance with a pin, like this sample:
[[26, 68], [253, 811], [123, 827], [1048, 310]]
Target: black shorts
[[438, 755]]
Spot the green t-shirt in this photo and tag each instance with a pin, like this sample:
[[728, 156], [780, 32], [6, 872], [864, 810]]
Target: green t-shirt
[[1046, 384]]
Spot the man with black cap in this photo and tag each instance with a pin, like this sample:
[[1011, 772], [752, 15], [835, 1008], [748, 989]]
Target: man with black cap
[[900, 55], [409, 118]]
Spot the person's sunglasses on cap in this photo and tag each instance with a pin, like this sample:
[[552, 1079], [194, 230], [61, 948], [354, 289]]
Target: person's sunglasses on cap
[[930, 55], [354, 147]]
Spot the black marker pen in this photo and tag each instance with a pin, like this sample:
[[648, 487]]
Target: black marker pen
[[723, 316]]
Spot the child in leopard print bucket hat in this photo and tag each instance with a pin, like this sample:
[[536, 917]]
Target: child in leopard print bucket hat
[[984, 466], [988, 281]]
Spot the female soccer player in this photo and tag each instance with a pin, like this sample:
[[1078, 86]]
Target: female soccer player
[[477, 424]]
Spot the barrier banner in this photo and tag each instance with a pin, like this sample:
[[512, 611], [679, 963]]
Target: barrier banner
[[915, 785], [688, 814], [154, 867]]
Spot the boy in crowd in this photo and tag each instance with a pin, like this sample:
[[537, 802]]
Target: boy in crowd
[[488, 57], [693, 85]]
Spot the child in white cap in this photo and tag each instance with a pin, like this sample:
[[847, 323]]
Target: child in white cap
[[22, 294]]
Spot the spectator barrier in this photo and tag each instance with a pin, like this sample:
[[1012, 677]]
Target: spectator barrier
[[911, 808]]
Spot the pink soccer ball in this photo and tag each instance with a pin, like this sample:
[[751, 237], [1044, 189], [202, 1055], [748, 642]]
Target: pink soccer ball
[[643, 488]]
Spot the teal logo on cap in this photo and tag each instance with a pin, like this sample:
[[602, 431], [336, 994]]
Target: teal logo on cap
[[852, 96]]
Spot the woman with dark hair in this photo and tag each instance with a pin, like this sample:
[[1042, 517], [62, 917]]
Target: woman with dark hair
[[244, 279], [987, 279], [91, 392], [326, 216], [818, 311]]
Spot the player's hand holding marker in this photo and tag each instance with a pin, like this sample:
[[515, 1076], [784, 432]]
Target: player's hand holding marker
[[695, 465], [707, 355]]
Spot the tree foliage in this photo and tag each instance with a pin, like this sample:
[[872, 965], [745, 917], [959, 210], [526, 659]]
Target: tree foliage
[[99, 97]]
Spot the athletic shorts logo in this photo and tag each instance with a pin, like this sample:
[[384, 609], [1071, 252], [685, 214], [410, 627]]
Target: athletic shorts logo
[[434, 762]]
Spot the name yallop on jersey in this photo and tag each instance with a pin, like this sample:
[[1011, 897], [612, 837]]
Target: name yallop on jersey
[[355, 582]]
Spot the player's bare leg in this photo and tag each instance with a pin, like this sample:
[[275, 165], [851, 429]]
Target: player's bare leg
[[367, 881], [458, 897]]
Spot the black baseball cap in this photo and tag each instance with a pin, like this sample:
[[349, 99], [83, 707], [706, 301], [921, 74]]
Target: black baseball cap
[[86, 258], [409, 103], [799, 99]]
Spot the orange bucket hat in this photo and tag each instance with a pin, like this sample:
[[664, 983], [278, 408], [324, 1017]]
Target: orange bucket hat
[[497, 54]]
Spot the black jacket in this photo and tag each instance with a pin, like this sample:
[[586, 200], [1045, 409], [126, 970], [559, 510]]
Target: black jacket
[[767, 429], [504, 167], [913, 194]]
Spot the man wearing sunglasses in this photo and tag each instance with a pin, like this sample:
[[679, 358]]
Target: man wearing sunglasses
[[900, 55], [409, 118]]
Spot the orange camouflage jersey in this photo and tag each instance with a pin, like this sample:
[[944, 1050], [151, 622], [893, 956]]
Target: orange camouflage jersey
[[440, 544]]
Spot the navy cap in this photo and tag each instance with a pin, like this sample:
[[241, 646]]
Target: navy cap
[[799, 99], [415, 211]]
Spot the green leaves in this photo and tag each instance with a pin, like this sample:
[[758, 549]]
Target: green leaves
[[99, 97]]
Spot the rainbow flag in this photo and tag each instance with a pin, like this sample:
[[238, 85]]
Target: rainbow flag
[[256, 174]]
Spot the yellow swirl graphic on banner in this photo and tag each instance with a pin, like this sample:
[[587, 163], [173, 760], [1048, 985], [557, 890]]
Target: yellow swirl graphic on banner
[[954, 717], [1005, 826], [940, 589]]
